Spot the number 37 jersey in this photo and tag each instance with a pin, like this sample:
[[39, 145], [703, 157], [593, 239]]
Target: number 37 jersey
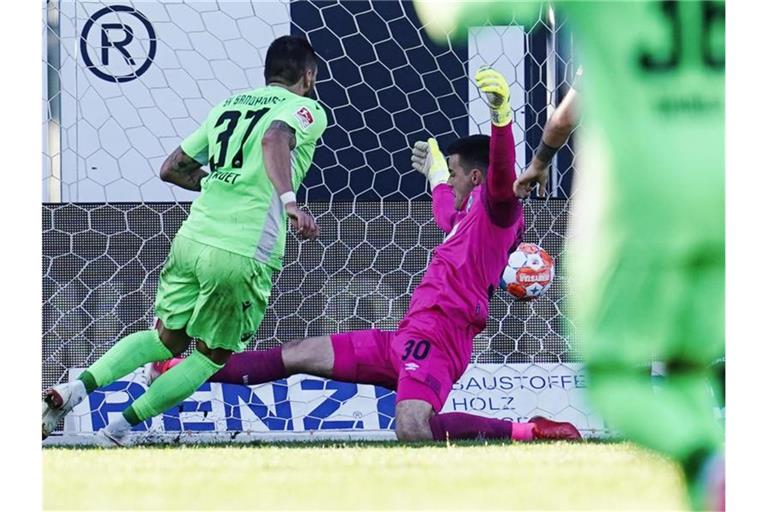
[[238, 209]]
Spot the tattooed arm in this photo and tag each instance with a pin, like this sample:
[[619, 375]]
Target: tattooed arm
[[182, 170], [277, 144]]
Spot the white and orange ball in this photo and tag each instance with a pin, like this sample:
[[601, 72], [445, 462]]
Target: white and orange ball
[[529, 272]]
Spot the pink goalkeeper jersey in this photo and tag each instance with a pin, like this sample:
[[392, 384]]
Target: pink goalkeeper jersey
[[452, 299]]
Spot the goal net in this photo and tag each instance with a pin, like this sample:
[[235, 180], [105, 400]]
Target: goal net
[[125, 83]]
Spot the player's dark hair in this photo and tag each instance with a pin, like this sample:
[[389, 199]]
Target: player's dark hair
[[288, 58], [474, 152]]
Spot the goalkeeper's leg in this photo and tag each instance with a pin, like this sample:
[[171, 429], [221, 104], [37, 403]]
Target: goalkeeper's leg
[[416, 421], [425, 379], [358, 356], [313, 356]]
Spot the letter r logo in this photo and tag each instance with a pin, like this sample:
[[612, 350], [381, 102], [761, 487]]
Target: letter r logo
[[106, 43]]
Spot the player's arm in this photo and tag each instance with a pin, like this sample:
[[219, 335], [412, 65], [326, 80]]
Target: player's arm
[[499, 195], [183, 167], [183, 171], [427, 159], [276, 145], [556, 132]]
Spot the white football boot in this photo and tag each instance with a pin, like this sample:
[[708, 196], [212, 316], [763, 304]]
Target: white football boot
[[58, 401], [106, 439]]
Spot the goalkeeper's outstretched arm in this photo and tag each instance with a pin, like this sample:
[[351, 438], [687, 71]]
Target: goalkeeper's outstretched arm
[[429, 160], [502, 204]]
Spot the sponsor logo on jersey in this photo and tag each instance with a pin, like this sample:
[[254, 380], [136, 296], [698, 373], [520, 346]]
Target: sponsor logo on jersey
[[410, 367], [305, 117]]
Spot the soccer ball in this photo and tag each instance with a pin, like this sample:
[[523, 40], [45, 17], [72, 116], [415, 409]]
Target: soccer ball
[[529, 272]]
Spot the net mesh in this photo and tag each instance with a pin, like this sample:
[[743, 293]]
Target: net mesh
[[384, 85], [101, 263]]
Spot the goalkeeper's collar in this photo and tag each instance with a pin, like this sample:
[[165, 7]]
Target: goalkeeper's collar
[[467, 202]]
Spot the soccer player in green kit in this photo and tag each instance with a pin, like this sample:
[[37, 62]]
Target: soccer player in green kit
[[646, 244], [217, 279]]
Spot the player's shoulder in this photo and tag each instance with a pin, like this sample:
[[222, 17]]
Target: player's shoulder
[[311, 116], [315, 109]]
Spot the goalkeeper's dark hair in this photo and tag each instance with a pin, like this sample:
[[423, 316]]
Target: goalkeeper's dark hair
[[288, 58], [474, 152]]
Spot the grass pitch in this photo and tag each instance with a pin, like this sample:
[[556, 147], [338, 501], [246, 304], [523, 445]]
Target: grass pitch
[[383, 476]]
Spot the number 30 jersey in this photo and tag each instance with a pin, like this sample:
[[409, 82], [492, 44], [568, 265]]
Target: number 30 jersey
[[238, 209]]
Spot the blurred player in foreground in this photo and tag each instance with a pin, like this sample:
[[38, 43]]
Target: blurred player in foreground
[[474, 202], [646, 243], [217, 280]]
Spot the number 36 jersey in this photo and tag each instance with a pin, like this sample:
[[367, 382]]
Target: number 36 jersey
[[238, 209], [653, 152], [651, 143]]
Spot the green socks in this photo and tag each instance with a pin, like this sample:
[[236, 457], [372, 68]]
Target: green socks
[[130, 353], [172, 387]]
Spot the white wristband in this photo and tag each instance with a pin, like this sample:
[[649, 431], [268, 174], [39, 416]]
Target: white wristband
[[288, 197]]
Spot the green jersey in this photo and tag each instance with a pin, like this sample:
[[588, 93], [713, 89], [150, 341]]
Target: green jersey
[[654, 119], [654, 111], [238, 209]]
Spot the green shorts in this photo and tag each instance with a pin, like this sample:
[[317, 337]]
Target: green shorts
[[217, 296], [646, 282], [654, 306]]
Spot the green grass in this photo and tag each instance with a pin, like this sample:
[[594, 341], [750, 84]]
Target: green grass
[[465, 476]]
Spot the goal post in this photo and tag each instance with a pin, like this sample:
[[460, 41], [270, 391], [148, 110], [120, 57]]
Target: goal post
[[134, 78]]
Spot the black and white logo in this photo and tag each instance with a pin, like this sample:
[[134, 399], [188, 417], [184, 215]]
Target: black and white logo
[[118, 43]]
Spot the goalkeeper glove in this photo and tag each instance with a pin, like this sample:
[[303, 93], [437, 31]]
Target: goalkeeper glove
[[429, 161], [496, 89]]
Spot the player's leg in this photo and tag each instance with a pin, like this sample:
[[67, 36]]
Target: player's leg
[[176, 296], [171, 388], [415, 420], [313, 356], [426, 377], [670, 311], [227, 281], [357, 356]]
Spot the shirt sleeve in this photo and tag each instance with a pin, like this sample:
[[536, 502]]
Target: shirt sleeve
[[196, 145], [498, 193], [443, 209], [308, 120]]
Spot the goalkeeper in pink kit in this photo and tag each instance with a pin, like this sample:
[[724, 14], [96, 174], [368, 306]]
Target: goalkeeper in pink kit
[[474, 202]]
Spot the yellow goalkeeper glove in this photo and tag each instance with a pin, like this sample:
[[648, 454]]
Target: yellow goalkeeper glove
[[429, 161], [496, 89]]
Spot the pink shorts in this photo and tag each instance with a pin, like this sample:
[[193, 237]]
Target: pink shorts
[[402, 360]]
